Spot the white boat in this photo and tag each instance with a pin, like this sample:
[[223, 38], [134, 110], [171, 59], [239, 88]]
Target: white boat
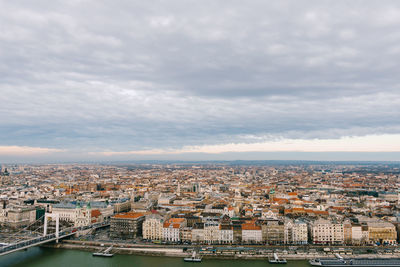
[[101, 254], [193, 258], [356, 262], [105, 253], [277, 260]]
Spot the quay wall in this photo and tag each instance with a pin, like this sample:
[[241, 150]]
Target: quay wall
[[155, 250]]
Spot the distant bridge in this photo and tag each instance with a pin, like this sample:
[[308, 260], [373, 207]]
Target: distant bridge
[[46, 238]]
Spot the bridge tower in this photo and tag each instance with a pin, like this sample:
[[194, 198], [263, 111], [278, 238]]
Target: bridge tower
[[52, 216]]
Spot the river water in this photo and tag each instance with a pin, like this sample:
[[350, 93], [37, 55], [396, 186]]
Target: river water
[[43, 257]]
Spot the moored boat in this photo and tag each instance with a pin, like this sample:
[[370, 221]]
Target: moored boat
[[193, 258], [101, 254], [356, 262], [105, 253], [277, 260]]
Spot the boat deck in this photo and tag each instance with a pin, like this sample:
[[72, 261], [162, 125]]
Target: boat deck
[[357, 262]]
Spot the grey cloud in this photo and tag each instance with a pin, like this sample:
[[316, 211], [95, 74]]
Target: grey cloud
[[96, 75]]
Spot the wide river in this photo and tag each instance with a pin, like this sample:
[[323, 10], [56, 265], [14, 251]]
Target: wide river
[[73, 258]]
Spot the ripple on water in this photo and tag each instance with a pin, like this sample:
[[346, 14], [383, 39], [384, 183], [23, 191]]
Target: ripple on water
[[49, 257]]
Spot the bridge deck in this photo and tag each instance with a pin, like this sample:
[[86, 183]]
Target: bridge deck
[[45, 239]]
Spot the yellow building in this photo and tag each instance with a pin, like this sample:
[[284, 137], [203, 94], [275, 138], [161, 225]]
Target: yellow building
[[382, 232]]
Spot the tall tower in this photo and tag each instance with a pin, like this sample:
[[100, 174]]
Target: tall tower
[[238, 198], [132, 196], [4, 176], [398, 196]]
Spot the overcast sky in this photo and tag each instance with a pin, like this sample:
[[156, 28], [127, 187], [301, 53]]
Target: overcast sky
[[163, 79]]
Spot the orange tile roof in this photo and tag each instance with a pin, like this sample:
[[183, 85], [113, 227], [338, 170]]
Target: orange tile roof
[[175, 222], [338, 208], [129, 215], [321, 212], [298, 210], [250, 226], [95, 213]]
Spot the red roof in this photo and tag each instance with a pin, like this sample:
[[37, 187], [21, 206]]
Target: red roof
[[95, 213], [175, 222], [129, 215], [250, 226], [338, 208]]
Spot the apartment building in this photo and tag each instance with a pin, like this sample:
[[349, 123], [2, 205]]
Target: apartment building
[[126, 225], [273, 232], [326, 232], [211, 231], [198, 233], [16, 217], [296, 232], [172, 228], [382, 233], [153, 227], [226, 234], [251, 233]]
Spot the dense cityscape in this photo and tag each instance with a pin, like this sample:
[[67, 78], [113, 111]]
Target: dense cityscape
[[209, 204], [215, 133]]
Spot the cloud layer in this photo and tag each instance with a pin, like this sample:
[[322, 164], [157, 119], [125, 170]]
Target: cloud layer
[[95, 76]]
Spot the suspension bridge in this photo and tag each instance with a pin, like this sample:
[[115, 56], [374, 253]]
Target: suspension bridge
[[18, 241]]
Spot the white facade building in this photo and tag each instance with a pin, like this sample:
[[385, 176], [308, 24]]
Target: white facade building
[[211, 232], [296, 232], [326, 232], [172, 228], [83, 217], [225, 234], [251, 233], [153, 227], [198, 233], [66, 211], [356, 234]]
